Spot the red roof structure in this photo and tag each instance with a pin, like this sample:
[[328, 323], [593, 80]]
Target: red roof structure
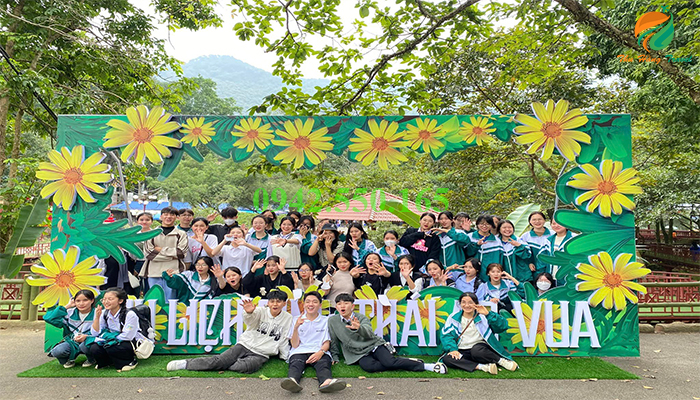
[[366, 208]]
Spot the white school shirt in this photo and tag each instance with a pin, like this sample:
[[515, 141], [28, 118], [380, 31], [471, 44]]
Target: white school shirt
[[312, 335], [418, 282], [197, 250], [241, 257], [129, 332]]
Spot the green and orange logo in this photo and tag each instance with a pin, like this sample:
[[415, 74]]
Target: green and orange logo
[[654, 30]]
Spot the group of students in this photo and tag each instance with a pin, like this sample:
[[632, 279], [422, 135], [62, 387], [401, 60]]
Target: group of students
[[196, 260]]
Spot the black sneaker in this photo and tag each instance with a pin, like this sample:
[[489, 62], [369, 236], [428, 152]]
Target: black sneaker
[[130, 366], [291, 384]]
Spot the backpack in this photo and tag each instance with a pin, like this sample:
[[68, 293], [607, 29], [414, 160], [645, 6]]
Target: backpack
[[143, 348]]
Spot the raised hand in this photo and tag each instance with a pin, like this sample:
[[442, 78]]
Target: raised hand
[[303, 230], [98, 312], [281, 242], [295, 278], [71, 303], [282, 264], [248, 306], [211, 217], [354, 245], [240, 242], [300, 320], [453, 267], [217, 271], [171, 272], [257, 265], [355, 272], [481, 309], [480, 242], [354, 323], [532, 267], [199, 236]]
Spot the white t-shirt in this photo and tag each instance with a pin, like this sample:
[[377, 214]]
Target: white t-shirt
[[470, 337], [312, 335], [196, 249], [241, 257]]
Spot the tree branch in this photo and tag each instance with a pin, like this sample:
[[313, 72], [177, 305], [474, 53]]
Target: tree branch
[[582, 15], [409, 47]]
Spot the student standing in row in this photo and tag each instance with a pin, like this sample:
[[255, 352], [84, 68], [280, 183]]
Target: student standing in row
[[554, 243], [358, 243], [193, 285], [287, 244], [185, 217], [516, 254], [306, 227], [452, 240], [264, 337], [200, 243], [327, 246], [230, 215], [352, 332], [259, 237], [535, 239], [310, 342], [485, 246], [165, 251], [391, 251], [420, 242], [339, 276], [236, 252]]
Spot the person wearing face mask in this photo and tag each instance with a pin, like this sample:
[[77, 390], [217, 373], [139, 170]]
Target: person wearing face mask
[[264, 337], [391, 251], [544, 281], [230, 215]]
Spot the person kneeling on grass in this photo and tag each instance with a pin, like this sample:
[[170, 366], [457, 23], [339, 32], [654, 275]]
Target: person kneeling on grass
[[469, 340], [264, 337], [353, 333], [310, 343]]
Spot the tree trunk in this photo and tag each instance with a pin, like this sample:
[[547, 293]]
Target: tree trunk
[[658, 232], [16, 142], [663, 230]]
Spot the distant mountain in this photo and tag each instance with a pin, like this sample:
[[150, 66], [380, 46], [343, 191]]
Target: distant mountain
[[244, 82]]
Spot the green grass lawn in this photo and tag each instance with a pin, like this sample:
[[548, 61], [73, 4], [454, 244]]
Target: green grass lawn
[[530, 368]]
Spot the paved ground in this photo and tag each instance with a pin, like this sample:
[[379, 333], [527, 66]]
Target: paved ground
[[669, 367]]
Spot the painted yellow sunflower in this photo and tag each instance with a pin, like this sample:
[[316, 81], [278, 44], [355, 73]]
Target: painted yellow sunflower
[[477, 131], [552, 127], [424, 309], [325, 304], [611, 281], [540, 338], [64, 276], [383, 143], [73, 175], [252, 134], [397, 293], [197, 131], [161, 320], [426, 135], [182, 313], [301, 144], [144, 135], [607, 188]]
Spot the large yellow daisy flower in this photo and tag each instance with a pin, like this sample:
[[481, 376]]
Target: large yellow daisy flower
[[197, 131], [252, 134], [426, 135], [607, 188], [161, 320], [301, 143], [540, 341], [552, 128], [424, 310], [64, 276], [611, 281], [477, 131], [397, 293], [144, 135], [72, 175], [383, 143]]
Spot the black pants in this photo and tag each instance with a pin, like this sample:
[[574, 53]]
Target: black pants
[[481, 353], [238, 358], [382, 360], [118, 355], [297, 365]]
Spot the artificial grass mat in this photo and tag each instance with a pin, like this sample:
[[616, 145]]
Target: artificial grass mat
[[530, 368]]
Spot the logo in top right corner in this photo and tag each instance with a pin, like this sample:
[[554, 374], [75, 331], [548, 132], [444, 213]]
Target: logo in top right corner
[[654, 30]]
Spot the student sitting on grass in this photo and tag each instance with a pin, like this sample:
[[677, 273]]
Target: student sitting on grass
[[115, 329], [196, 284], [264, 337], [310, 343], [469, 339], [75, 319], [353, 333]]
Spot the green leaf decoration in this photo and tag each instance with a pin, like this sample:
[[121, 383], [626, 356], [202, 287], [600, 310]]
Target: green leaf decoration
[[519, 217], [397, 208], [592, 151], [170, 164], [588, 243], [87, 130], [585, 222], [530, 293], [616, 142], [567, 194], [24, 234], [156, 292]]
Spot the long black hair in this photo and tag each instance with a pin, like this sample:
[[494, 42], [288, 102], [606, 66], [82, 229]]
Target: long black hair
[[121, 295], [347, 248], [212, 279]]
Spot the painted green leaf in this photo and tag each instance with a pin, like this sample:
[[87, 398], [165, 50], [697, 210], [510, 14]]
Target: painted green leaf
[[585, 222], [397, 208], [24, 234], [170, 164], [566, 194], [592, 151], [519, 217], [587, 243], [616, 141]]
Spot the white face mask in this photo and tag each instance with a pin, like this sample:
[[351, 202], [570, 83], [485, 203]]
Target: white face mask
[[229, 221], [389, 243], [542, 285]]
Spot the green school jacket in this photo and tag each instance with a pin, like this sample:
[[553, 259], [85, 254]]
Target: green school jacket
[[493, 323], [516, 260], [453, 243], [487, 253]]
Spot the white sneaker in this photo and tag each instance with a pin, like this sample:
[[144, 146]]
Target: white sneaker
[[440, 368], [291, 385], [69, 364], [490, 368], [177, 365], [88, 364], [130, 366], [335, 385], [510, 365]]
